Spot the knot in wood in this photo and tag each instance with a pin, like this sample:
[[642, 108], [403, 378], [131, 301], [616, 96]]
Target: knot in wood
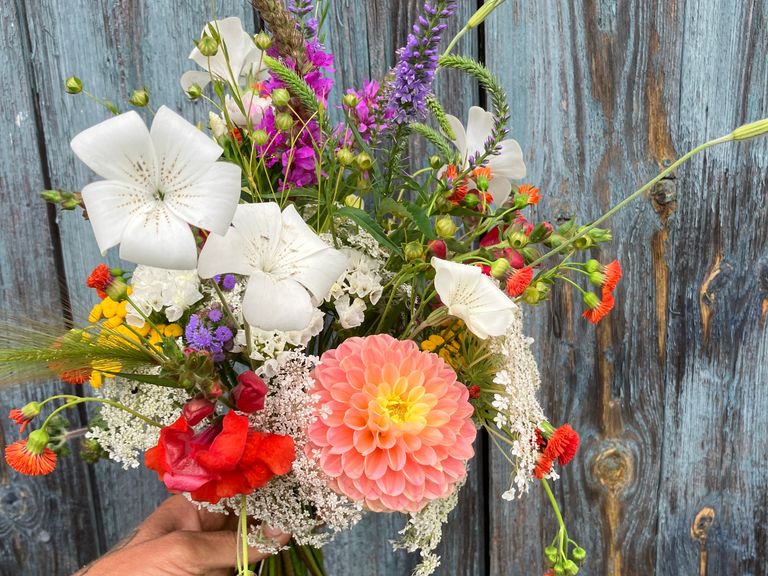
[[613, 467], [664, 197]]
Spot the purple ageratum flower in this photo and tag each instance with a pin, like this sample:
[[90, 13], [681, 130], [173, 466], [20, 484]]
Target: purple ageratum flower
[[229, 282], [214, 315], [197, 335], [203, 333], [417, 63]]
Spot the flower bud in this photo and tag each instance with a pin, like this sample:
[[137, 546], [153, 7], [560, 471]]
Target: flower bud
[[751, 130], [438, 248], [250, 392], [583, 243], [529, 253], [207, 46], [197, 409], [37, 441], [263, 40], [518, 240], [280, 97], [354, 201], [532, 296], [471, 200], [364, 161], [555, 241], [260, 137], [600, 235], [579, 554], [283, 122], [31, 410], [559, 569], [435, 162], [194, 92], [445, 227], [592, 266], [350, 100], [500, 267], [414, 251], [483, 12], [117, 289], [73, 85], [139, 98], [345, 156], [591, 299], [91, 451], [52, 196], [541, 232], [571, 569], [218, 125]]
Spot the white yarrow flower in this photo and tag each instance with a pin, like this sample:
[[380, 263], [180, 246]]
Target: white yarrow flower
[[473, 297], [244, 56], [158, 182], [506, 165], [291, 269]]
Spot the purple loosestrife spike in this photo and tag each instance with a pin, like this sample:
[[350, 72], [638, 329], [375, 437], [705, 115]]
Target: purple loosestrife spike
[[417, 64]]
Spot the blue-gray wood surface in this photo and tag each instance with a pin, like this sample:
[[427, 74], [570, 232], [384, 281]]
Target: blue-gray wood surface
[[669, 393]]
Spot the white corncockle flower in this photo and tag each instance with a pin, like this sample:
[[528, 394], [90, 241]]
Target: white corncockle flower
[[244, 56], [158, 182], [291, 269], [507, 164], [473, 297], [253, 105], [218, 125]]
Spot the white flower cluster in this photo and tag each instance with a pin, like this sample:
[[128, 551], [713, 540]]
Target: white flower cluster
[[272, 347], [425, 530], [157, 289], [301, 502], [127, 436], [518, 410], [361, 280]]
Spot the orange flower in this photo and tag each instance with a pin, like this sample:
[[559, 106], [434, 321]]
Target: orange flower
[[31, 457], [25, 415], [612, 273], [459, 190], [519, 281], [100, 278], [563, 444], [543, 466], [531, 191], [601, 309]]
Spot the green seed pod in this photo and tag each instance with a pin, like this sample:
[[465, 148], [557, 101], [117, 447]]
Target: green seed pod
[[345, 156], [445, 227], [139, 98], [280, 97], [364, 161], [73, 85], [283, 122], [194, 92], [518, 240], [413, 251], [591, 265], [579, 554], [263, 40], [350, 100], [208, 46], [435, 162], [260, 137], [354, 201]]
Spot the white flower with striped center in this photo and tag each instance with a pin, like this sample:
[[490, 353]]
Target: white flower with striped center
[[291, 269], [473, 297], [158, 182]]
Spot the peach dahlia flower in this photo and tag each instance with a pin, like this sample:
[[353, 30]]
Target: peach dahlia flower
[[395, 427]]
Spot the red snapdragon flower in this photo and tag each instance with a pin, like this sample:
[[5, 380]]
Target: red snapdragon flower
[[220, 461], [250, 392]]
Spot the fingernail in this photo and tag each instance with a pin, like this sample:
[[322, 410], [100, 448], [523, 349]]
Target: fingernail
[[270, 532]]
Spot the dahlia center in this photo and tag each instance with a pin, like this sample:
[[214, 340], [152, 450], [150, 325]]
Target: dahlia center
[[402, 403]]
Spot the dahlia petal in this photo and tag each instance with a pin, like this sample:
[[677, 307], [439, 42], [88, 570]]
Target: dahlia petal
[[364, 441], [397, 457], [391, 484], [340, 439], [353, 464], [332, 465], [376, 464]]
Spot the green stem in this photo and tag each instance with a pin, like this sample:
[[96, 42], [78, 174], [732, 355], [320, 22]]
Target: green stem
[[101, 401], [562, 534], [672, 167]]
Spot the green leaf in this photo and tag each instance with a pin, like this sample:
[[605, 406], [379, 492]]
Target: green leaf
[[420, 218], [364, 220]]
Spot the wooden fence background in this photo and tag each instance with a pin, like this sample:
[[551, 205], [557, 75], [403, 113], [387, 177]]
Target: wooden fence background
[[669, 394]]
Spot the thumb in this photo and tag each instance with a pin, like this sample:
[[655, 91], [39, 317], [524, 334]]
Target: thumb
[[219, 549]]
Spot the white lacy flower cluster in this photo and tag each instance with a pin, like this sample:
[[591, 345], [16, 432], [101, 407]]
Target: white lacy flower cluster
[[425, 530], [361, 281], [160, 290], [301, 502], [518, 410], [127, 436]]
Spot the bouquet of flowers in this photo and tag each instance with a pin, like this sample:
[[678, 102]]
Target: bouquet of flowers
[[315, 329]]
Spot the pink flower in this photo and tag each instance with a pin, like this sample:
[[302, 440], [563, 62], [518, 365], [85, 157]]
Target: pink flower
[[395, 427]]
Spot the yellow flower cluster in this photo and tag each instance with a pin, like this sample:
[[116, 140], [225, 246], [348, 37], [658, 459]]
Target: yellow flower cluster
[[446, 344], [111, 315]]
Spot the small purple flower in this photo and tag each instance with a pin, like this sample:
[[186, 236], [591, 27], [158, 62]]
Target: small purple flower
[[223, 334], [229, 282], [417, 63], [214, 315]]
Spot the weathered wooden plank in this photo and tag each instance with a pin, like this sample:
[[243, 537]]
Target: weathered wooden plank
[[364, 37], [712, 510], [601, 100], [47, 525], [114, 46]]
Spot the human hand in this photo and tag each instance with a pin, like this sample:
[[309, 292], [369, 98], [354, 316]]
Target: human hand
[[177, 539]]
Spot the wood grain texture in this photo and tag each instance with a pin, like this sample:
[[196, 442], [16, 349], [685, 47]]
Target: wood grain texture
[[114, 46], [38, 516], [604, 94]]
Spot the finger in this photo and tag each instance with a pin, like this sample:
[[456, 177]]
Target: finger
[[219, 549]]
